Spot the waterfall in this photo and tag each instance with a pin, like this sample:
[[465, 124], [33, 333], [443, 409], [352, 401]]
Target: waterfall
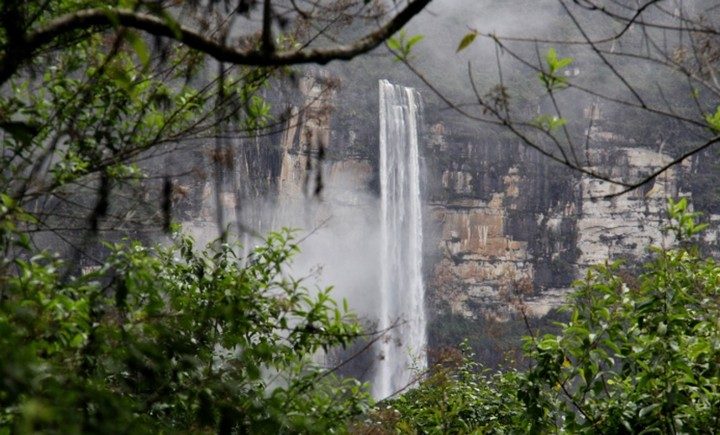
[[402, 294]]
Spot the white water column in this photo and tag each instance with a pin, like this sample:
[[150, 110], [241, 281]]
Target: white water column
[[402, 293]]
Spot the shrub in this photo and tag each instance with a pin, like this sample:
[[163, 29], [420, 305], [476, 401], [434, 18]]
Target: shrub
[[170, 339]]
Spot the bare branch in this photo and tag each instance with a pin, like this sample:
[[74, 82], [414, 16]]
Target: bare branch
[[603, 58], [99, 19], [664, 168], [268, 46]]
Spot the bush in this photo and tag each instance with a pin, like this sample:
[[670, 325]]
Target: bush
[[457, 396], [170, 339], [638, 355]]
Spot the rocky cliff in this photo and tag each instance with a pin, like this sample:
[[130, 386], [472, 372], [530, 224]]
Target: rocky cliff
[[507, 231]]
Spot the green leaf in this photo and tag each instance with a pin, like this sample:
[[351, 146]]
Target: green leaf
[[713, 121], [7, 201], [401, 46], [466, 41], [648, 409], [554, 63], [394, 44], [551, 57], [414, 40], [548, 122], [550, 78], [140, 47]]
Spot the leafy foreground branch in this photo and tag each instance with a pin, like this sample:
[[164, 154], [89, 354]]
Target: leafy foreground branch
[[170, 339], [638, 355]]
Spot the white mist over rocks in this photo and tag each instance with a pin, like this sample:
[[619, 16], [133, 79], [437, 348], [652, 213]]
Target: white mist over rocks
[[337, 233]]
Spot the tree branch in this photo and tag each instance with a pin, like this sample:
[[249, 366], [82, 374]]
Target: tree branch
[[664, 168], [102, 18], [267, 39]]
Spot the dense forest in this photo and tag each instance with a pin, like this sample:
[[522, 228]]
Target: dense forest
[[171, 171]]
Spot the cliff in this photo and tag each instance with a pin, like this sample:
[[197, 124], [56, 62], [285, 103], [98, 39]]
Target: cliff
[[506, 230]]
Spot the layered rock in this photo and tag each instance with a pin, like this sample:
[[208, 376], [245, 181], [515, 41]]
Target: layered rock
[[518, 247], [624, 226], [481, 267], [507, 231]]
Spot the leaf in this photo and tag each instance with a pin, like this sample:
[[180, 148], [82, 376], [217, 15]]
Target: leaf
[[714, 121], [394, 44], [401, 45], [548, 122], [564, 62], [414, 40], [466, 41], [661, 328], [646, 410], [555, 64], [551, 57], [141, 49]]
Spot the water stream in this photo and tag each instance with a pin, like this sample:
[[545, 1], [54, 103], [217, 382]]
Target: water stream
[[402, 293]]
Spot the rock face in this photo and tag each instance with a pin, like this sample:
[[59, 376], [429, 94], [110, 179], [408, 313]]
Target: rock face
[[506, 230], [623, 227], [480, 265], [494, 253], [510, 230], [314, 165], [305, 138], [495, 219]]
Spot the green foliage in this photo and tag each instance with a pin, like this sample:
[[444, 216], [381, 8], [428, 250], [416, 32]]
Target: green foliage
[[456, 397], [170, 339], [713, 121], [551, 78], [153, 339], [402, 44], [101, 101], [638, 355], [548, 122], [683, 222]]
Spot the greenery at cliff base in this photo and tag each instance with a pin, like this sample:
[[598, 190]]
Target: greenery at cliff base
[[638, 355]]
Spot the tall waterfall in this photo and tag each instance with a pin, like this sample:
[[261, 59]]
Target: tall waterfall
[[402, 294]]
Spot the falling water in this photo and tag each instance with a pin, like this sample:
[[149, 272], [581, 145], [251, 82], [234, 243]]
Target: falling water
[[401, 287]]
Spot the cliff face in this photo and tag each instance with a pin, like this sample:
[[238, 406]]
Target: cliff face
[[540, 225], [625, 226], [519, 249], [509, 231], [506, 230]]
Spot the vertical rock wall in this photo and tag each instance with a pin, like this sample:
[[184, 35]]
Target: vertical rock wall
[[507, 231]]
